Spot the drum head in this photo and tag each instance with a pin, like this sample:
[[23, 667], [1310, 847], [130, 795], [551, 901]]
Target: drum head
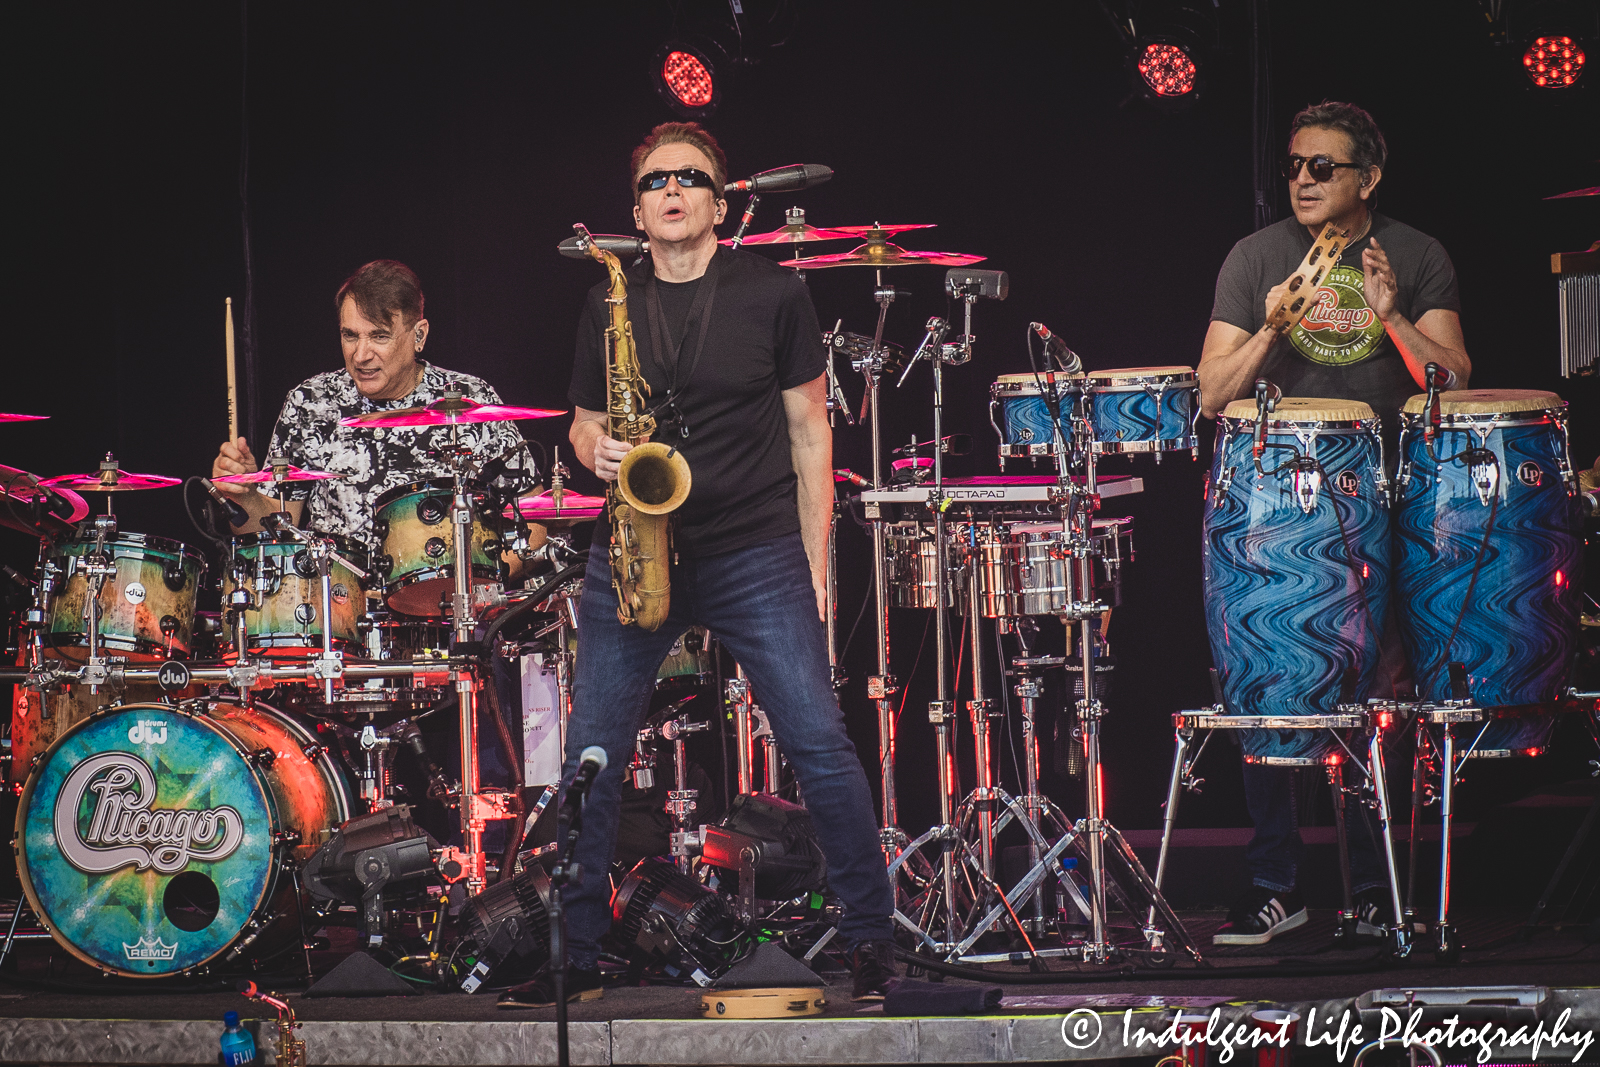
[[144, 840], [1488, 402], [1303, 409], [1115, 374]]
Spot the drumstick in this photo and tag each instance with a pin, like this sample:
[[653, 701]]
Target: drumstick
[[233, 381]]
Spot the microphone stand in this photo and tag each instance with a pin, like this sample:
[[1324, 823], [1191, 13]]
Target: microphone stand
[[561, 874]]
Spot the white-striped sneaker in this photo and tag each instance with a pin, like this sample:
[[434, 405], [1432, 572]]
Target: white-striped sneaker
[[1260, 915]]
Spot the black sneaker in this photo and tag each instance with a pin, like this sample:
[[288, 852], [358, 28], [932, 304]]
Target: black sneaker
[[541, 992], [1260, 915], [872, 963], [1372, 912]]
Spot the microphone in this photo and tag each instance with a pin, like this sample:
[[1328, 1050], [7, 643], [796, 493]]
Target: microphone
[[782, 179], [616, 244], [590, 763], [1055, 348], [237, 516], [54, 503]]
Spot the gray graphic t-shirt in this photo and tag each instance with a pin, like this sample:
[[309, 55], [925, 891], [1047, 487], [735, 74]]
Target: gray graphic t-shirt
[[377, 459], [1340, 350]]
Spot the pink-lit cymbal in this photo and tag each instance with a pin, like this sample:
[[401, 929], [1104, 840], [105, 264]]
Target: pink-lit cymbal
[[888, 231], [794, 235], [575, 507], [448, 412], [290, 473], [111, 481], [21, 418], [18, 485], [884, 255]]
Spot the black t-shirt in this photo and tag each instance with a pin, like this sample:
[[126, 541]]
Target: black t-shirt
[[1340, 350], [762, 338]]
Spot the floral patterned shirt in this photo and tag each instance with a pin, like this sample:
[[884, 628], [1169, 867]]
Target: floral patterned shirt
[[377, 459]]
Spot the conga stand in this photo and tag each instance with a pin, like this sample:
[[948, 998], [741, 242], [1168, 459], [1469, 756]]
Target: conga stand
[[1371, 719]]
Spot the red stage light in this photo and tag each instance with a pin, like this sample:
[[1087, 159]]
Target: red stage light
[[1560, 578], [688, 79], [1554, 62], [1167, 69]]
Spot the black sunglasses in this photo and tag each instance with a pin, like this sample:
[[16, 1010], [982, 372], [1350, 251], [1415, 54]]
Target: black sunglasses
[[688, 178], [1321, 167]]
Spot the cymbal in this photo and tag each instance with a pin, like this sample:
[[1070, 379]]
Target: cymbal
[[449, 412], [1593, 190], [123, 482], [792, 235], [17, 484], [888, 231], [21, 418], [575, 508], [884, 254], [291, 473], [111, 478]]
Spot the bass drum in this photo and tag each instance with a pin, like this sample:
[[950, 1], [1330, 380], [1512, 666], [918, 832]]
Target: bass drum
[[154, 840]]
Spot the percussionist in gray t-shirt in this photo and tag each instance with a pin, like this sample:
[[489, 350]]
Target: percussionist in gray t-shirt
[[1381, 316], [1375, 322]]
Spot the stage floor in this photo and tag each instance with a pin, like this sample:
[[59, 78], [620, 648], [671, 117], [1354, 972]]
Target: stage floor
[[42, 1020]]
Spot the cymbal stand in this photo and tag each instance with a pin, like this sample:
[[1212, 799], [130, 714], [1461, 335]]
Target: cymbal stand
[[1029, 672], [97, 567], [882, 685]]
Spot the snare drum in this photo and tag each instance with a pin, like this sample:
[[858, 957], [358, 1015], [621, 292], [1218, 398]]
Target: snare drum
[[1489, 554], [1143, 409], [690, 660], [1020, 402], [152, 842], [287, 589], [1296, 566], [146, 607], [416, 561]]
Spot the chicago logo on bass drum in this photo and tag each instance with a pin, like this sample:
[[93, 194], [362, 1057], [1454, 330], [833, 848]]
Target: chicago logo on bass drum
[[125, 831]]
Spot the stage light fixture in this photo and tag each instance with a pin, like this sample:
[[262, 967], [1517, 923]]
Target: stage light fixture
[[686, 78], [1167, 69], [1554, 61]]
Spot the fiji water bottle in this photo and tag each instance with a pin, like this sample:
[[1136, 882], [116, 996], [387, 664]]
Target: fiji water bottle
[[237, 1044]]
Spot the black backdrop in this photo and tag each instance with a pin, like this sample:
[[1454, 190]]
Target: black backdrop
[[465, 139]]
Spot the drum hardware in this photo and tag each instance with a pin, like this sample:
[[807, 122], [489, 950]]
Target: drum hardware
[[1373, 719], [739, 695], [681, 800]]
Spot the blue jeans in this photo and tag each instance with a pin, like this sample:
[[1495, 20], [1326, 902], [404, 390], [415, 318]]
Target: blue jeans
[[1274, 853], [758, 602]]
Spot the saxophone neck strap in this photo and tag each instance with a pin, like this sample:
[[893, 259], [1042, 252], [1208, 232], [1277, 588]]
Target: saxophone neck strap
[[678, 373]]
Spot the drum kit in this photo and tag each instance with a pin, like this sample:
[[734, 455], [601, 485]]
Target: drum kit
[[146, 733]]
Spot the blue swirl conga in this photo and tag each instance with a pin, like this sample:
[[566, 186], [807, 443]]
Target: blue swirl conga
[[1296, 565], [1488, 555], [1142, 409], [1020, 402]]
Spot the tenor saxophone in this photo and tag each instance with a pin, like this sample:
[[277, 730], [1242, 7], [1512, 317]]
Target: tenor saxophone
[[652, 480]]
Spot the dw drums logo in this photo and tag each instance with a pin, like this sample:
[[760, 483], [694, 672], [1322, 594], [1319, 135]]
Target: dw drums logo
[[148, 732], [124, 830]]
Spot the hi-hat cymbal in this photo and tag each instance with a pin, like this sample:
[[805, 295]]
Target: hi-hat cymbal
[[111, 479], [21, 418], [793, 235], [873, 254], [291, 473], [449, 412], [575, 508], [18, 485]]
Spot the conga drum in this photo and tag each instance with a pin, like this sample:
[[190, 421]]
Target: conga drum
[[1296, 566], [1488, 555]]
